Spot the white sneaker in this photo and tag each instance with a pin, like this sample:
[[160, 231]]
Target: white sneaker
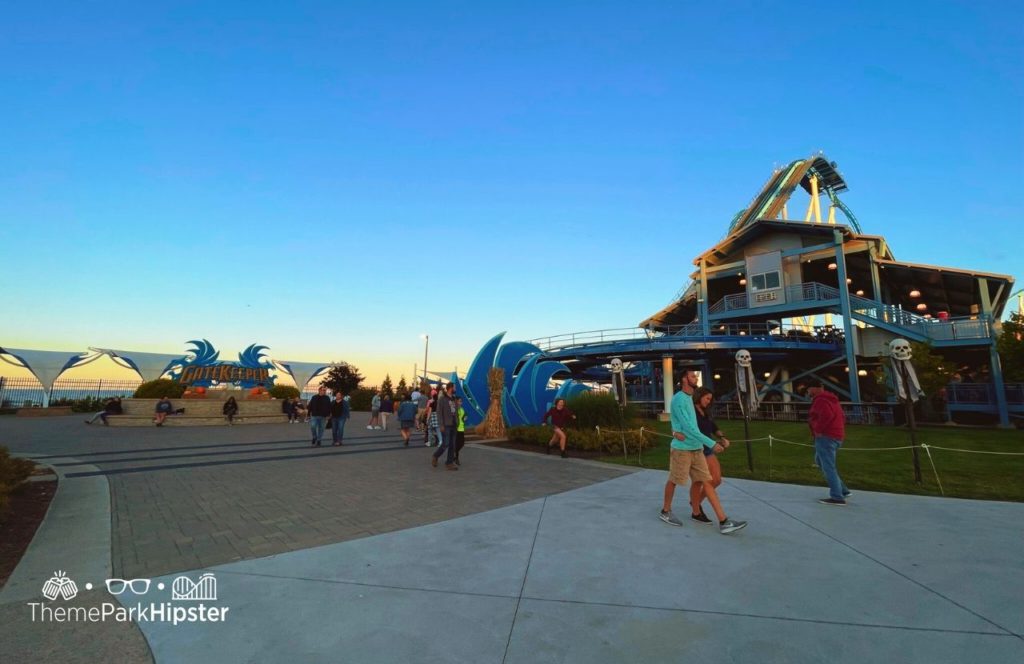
[[368, 426]]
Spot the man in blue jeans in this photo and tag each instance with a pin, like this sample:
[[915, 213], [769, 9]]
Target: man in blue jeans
[[828, 426], [447, 422], [340, 412], [319, 409]]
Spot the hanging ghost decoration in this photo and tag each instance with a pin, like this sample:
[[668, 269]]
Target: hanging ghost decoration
[[903, 375], [746, 385]]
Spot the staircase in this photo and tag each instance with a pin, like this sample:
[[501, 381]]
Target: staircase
[[953, 331]]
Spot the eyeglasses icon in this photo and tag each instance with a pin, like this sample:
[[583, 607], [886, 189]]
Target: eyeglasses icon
[[138, 586]]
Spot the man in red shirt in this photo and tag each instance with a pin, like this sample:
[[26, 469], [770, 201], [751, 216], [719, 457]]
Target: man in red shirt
[[828, 426]]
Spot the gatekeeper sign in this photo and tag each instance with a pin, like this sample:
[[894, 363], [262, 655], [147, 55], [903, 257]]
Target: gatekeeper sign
[[203, 367], [225, 373]]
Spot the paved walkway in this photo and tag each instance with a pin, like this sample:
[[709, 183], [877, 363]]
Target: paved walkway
[[587, 574]]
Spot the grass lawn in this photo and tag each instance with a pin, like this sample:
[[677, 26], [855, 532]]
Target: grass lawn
[[985, 476]]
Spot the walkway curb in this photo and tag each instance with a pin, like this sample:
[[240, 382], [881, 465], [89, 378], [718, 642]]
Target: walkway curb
[[74, 537]]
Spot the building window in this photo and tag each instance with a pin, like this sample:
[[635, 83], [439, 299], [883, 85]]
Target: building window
[[765, 281]]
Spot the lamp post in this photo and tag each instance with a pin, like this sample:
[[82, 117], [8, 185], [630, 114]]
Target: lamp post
[[426, 351]]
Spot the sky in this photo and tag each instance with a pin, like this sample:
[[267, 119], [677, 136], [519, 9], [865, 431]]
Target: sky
[[334, 179]]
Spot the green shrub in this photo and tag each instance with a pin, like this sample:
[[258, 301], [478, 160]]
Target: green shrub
[[86, 405], [361, 397], [156, 389], [598, 409], [284, 392], [13, 473], [585, 438]]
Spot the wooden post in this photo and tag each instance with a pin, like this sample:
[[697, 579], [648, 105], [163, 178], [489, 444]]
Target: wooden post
[[908, 404]]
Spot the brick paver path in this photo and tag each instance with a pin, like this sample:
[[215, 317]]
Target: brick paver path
[[185, 498]]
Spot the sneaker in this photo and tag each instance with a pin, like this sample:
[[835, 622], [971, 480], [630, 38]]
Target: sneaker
[[433, 461], [701, 518], [450, 466], [368, 426], [831, 501], [87, 421], [314, 442], [847, 494], [564, 455], [730, 526], [669, 518]]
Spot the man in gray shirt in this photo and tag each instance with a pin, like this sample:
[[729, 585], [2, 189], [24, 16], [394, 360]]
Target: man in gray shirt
[[447, 422]]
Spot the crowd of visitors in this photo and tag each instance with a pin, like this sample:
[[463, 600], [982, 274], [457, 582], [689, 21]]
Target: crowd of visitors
[[438, 413]]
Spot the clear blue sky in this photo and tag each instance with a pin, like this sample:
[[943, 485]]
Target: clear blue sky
[[332, 179]]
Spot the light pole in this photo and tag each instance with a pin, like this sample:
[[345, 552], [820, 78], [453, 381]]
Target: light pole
[[426, 351]]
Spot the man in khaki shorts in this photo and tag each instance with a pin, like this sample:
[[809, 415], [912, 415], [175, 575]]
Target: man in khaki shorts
[[686, 458]]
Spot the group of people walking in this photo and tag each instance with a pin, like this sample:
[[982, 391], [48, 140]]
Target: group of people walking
[[326, 413], [441, 418], [697, 440]]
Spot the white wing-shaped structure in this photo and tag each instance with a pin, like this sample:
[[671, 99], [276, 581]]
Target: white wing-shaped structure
[[303, 372], [45, 365], [149, 366]]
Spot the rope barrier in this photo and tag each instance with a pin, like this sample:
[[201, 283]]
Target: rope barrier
[[773, 439], [953, 449], [928, 450]]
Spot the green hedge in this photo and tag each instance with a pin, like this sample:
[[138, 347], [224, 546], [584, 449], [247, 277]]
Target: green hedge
[[361, 398], [86, 405], [13, 473], [599, 409], [585, 439], [156, 389], [284, 392]]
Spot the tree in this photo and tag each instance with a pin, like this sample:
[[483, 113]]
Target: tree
[[1010, 345], [343, 378], [402, 387], [386, 389]]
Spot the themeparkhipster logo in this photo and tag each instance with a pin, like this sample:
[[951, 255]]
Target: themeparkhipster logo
[[187, 603]]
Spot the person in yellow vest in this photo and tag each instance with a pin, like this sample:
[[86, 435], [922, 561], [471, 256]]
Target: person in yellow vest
[[460, 429]]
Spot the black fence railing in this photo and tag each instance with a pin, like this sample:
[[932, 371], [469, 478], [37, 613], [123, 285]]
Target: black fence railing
[[26, 392]]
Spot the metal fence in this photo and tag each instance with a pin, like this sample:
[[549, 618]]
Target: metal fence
[[24, 392], [775, 411], [796, 411]]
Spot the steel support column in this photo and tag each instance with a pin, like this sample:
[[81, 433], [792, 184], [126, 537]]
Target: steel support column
[[666, 386], [702, 299], [994, 362], [844, 304]]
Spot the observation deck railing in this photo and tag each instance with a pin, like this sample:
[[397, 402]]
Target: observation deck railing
[[789, 334], [933, 329]]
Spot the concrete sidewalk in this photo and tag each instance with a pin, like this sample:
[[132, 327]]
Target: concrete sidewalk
[[518, 557], [592, 575]]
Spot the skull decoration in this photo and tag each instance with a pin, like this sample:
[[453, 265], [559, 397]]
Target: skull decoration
[[743, 358], [900, 349], [616, 365]]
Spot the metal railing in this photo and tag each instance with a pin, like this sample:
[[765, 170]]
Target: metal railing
[[811, 291], [762, 331], [982, 394], [26, 392], [592, 337], [935, 329], [796, 411]]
